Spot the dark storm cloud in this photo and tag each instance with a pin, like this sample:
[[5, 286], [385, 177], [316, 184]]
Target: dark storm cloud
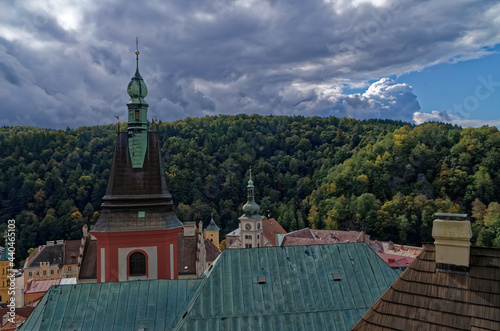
[[9, 74], [68, 63]]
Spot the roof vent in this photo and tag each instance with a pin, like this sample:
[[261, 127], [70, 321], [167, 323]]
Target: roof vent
[[336, 277], [261, 279]]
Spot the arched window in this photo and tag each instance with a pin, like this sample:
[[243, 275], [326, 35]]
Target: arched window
[[137, 263]]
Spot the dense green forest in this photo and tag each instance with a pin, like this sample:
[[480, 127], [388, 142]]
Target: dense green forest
[[386, 177]]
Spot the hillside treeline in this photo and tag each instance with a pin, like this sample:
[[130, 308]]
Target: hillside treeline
[[386, 177]]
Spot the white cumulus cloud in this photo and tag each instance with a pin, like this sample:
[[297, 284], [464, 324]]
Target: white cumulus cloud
[[384, 99], [435, 116]]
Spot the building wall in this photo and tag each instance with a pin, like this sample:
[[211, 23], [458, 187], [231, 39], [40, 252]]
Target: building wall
[[213, 236], [159, 245], [151, 268], [4, 281], [231, 241], [251, 236], [51, 272], [19, 295]]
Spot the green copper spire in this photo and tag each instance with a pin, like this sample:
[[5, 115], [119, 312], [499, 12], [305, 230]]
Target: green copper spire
[[212, 226], [137, 117], [250, 208], [5, 254]]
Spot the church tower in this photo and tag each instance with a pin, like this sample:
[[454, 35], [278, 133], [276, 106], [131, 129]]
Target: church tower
[[6, 266], [137, 230], [212, 232], [251, 220]]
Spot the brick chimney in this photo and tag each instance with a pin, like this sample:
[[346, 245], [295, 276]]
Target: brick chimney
[[452, 234]]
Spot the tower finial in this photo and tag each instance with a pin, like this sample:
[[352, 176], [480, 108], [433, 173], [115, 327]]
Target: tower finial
[[137, 52]]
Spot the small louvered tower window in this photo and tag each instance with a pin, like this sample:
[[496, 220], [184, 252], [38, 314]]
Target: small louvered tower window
[[137, 264]]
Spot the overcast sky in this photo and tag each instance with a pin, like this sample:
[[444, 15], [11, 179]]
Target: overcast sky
[[67, 63]]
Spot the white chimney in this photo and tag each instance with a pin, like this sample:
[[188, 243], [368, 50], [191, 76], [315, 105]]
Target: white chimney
[[452, 234], [189, 229]]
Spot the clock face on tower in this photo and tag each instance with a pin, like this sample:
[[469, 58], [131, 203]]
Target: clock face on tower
[[248, 226]]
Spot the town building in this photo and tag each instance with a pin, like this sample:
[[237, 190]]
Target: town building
[[327, 287], [56, 259], [195, 252], [137, 230], [450, 286], [21, 315], [35, 289], [5, 273], [212, 232], [254, 230]]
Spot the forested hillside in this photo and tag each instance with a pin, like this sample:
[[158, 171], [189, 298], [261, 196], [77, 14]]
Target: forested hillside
[[386, 177]]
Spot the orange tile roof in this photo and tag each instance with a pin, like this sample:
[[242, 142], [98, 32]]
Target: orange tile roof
[[395, 261], [21, 315], [321, 237], [37, 286], [302, 233], [270, 228], [18, 320]]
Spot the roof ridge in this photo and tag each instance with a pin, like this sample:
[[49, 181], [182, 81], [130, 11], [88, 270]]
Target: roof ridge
[[190, 301]]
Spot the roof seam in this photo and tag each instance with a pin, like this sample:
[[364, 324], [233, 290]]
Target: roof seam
[[279, 313]]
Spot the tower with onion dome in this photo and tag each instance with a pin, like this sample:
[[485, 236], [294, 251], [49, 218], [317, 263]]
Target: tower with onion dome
[[251, 221]]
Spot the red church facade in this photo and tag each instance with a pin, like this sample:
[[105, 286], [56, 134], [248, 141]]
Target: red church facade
[[114, 251]]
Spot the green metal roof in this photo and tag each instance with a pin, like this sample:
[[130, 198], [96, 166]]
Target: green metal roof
[[212, 226], [119, 306], [299, 292]]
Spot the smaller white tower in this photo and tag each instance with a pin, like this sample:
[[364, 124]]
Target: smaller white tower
[[251, 220]]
